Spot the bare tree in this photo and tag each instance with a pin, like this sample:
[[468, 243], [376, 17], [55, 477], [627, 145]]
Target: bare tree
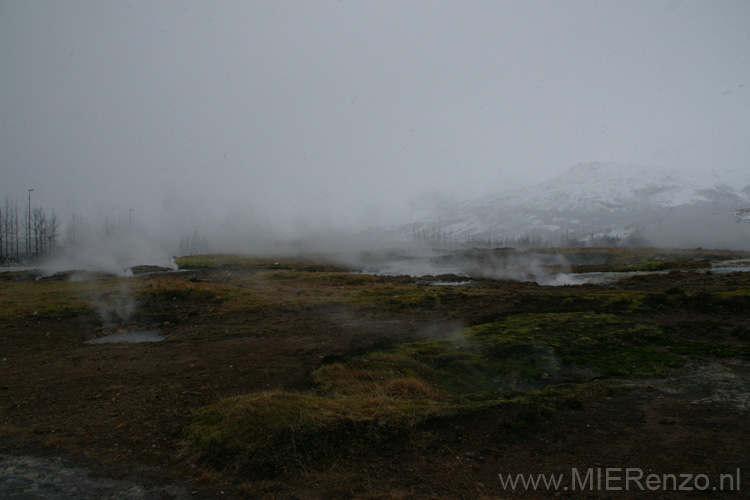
[[9, 231], [75, 230], [44, 231], [193, 245], [38, 229], [16, 230], [53, 231]]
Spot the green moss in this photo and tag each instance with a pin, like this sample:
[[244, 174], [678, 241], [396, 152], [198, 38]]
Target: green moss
[[359, 405], [456, 369], [356, 408], [605, 342], [700, 349], [736, 300]]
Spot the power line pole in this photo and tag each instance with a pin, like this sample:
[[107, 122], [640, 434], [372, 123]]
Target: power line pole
[[28, 229]]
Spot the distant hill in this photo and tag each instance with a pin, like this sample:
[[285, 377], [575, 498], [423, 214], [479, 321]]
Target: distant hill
[[595, 203]]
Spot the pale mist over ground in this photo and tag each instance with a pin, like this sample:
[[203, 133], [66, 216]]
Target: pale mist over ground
[[112, 254], [264, 127]]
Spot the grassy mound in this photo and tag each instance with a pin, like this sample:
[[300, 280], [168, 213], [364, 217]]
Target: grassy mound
[[371, 401], [350, 411]]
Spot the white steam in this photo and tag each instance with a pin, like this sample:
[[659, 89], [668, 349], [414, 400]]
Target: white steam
[[691, 228], [116, 307], [548, 269], [108, 253]]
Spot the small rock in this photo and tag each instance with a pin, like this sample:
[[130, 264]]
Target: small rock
[[667, 421]]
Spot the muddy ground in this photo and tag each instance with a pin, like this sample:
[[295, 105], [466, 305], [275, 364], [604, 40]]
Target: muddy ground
[[84, 420]]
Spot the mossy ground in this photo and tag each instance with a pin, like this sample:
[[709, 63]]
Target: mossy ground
[[299, 370], [539, 359]]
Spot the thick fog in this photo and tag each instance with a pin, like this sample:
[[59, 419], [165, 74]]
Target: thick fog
[[271, 121]]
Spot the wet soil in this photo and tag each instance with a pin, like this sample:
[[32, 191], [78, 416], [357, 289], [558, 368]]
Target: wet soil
[[106, 420]]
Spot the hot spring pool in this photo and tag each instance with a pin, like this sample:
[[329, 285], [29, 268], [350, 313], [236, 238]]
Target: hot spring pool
[[134, 336]]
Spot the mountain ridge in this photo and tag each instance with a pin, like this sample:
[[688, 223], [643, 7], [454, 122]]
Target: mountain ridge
[[591, 198]]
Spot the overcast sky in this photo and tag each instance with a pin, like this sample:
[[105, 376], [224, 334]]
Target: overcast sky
[[305, 113]]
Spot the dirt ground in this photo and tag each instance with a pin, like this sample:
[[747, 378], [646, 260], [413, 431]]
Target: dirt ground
[[109, 418]]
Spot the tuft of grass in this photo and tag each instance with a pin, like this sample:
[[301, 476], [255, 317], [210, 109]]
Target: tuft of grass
[[349, 414], [456, 368]]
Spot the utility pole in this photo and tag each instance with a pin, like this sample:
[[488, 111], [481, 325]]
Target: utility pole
[[28, 229]]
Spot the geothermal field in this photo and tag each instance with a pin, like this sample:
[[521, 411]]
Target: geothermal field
[[296, 250], [380, 376]]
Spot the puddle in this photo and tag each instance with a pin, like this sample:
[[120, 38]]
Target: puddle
[[451, 283], [724, 381], [731, 266], [36, 478], [130, 336], [533, 269], [607, 277]]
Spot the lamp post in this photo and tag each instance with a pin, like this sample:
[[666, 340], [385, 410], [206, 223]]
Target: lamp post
[[28, 229]]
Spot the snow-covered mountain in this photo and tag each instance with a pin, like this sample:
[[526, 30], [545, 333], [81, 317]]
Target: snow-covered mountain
[[610, 186], [597, 199]]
